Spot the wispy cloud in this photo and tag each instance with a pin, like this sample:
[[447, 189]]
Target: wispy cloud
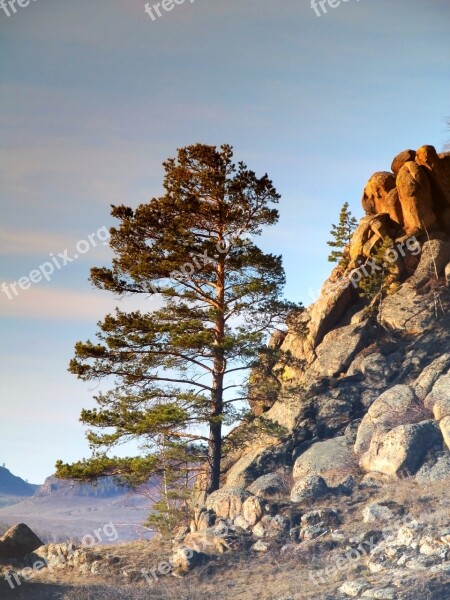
[[68, 305]]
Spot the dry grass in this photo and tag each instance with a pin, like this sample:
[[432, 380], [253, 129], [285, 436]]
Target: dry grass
[[281, 574]]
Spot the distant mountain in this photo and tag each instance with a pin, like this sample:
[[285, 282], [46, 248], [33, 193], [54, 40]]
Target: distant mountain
[[104, 488], [10, 485]]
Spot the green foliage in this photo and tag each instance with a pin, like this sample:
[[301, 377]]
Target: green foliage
[[342, 235], [179, 372], [382, 273]]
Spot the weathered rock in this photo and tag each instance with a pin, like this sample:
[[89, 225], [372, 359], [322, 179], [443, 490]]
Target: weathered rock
[[270, 486], [227, 502], [444, 426], [261, 546], [203, 519], [252, 509], [339, 347], [435, 469], [438, 170], [310, 488], [402, 451], [416, 201], [185, 559], [375, 192], [402, 158], [18, 541], [407, 311], [382, 512], [325, 516], [207, 542], [434, 257], [352, 589], [425, 382], [396, 406], [438, 398], [332, 459]]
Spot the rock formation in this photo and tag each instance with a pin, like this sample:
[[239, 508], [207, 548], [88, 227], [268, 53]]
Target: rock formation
[[372, 401]]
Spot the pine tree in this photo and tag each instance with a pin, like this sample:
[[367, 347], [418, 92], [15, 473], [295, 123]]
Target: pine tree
[[382, 275], [342, 235], [180, 371]]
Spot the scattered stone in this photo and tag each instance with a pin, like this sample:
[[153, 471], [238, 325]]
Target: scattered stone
[[18, 541], [311, 488]]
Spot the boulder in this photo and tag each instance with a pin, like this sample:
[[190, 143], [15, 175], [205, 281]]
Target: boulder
[[270, 486], [438, 399], [425, 382], [435, 256], [185, 559], [253, 509], [406, 311], [210, 542], [402, 158], [18, 541], [310, 488], [339, 347], [332, 459], [434, 469], [396, 406], [379, 512], [329, 309], [444, 426], [402, 451], [227, 502], [414, 192], [376, 191], [438, 170]]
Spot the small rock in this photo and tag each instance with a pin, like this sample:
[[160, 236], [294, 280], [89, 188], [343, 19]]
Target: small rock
[[260, 546]]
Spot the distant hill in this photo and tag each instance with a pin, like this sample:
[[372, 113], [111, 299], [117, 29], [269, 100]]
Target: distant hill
[[59, 509], [11, 485], [104, 488]]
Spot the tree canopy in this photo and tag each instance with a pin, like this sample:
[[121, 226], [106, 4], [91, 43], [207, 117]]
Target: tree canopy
[[180, 372]]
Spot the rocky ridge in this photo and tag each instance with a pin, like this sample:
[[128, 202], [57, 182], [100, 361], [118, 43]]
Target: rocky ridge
[[372, 400]]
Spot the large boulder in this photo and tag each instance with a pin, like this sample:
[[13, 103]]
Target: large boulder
[[444, 426], [332, 459], [308, 489], [402, 451], [414, 192], [227, 502], [435, 469], [438, 400], [376, 191], [426, 380], [398, 405], [438, 170], [402, 158], [435, 256], [18, 542], [270, 486], [339, 347]]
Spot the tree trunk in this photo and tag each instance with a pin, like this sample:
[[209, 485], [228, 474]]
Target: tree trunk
[[215, 430]]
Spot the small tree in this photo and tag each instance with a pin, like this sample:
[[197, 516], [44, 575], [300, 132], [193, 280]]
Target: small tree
[[179, 371], [342, 235], [382, 274]]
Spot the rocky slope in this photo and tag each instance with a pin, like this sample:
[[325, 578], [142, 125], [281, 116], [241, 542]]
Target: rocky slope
[[370, 406], [353, 501]]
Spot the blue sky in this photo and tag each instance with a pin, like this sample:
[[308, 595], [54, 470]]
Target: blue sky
[[94, 95]]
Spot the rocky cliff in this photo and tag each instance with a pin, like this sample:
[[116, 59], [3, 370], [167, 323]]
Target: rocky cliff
[[370, 410]]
